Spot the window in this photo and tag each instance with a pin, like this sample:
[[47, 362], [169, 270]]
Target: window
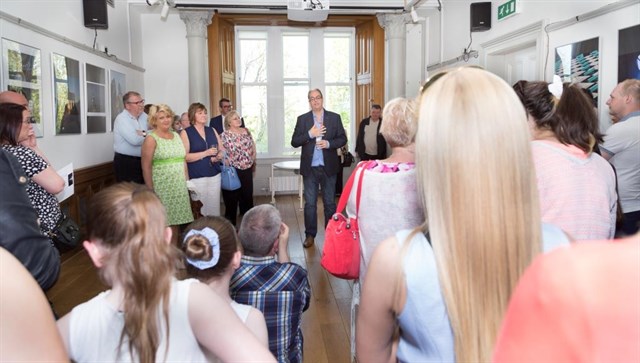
[[95, 81], [277, 66]]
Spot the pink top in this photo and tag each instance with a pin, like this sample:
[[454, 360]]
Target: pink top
[[239, 149], [384, 167], [577, 190], [576, 304]]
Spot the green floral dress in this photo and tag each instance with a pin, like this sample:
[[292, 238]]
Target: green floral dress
[[169, 182]]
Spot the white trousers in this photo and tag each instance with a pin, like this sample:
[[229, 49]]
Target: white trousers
[[207, 191]]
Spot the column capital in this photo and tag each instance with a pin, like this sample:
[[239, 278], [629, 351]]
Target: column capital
[[196, 22], [394, 24]]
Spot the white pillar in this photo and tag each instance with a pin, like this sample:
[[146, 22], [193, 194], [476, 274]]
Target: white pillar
[[395, 39], [196, 22]]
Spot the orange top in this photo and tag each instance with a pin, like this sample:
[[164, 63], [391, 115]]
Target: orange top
[[576, 304]]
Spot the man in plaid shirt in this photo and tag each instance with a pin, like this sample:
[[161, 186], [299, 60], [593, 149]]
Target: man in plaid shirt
[[276, 286]]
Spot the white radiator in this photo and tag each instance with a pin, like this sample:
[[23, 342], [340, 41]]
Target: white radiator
[[284, 183]]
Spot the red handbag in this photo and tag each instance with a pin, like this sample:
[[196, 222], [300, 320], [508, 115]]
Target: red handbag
[[341, 250]]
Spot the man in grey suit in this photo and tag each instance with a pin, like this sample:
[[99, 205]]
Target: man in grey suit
[[321, 134]]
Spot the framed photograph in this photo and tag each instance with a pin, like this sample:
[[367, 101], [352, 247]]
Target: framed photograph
[[66, 94], [579, 63], [118, 87], [21, 65], [629, 53], [95, 87]]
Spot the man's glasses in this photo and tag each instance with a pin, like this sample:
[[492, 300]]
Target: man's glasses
[[139, 103], [317, 98], [227, 106]]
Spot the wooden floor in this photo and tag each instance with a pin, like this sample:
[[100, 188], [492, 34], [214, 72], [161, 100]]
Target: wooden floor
[[326, 325]]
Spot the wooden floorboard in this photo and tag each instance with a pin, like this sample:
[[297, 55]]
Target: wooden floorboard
[[325, 325]]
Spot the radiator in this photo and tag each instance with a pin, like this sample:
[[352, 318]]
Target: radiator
[[284, 183]]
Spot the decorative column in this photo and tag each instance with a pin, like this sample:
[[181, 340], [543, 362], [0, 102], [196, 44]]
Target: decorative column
[[196, 22], [395, 39]]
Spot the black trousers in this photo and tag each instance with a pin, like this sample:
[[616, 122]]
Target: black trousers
[[242, 197], [127, 168]]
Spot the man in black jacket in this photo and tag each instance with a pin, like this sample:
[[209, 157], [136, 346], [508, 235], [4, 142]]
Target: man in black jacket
[[21, 235], [370, 145], [320, 134]]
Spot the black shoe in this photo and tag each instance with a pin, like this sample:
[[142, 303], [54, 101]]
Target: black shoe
[[308, 242]]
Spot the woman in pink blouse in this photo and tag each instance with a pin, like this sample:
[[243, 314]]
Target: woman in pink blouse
[[241, 154]]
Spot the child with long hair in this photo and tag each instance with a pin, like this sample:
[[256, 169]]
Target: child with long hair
[[148, 315], [212, 253]]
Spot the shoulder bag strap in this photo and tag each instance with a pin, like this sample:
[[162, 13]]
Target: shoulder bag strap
[[346, 191]]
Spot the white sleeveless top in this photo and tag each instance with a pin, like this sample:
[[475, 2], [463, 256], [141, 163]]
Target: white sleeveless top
[[95, 328]]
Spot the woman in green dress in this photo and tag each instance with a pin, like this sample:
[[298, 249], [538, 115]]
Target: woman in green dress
[[164, 168]]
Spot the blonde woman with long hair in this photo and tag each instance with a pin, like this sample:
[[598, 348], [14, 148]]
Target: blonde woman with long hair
[[447, 286], [148, 315]]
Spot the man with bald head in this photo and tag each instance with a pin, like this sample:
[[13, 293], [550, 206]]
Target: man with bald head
[[13, 97], [622, 148]]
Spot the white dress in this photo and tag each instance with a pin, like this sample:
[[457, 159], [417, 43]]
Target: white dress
[[95, 329]]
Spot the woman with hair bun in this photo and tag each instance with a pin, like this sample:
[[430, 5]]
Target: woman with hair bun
[[164, 167], [148, 315], [212, 253]]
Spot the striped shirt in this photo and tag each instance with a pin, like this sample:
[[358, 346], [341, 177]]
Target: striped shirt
[[282, 292]]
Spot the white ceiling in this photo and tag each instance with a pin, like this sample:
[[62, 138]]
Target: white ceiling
[[279, 6]]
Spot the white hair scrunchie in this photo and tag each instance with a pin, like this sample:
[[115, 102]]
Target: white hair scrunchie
[[556, 87], [214, 241]]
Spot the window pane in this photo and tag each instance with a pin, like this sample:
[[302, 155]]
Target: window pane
[[295, 104], [336, 66], [253, 61], [295, 51], [338, 100], [254, 112]]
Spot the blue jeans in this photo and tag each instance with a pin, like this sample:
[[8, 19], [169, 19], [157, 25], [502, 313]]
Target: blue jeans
[[318, 179]]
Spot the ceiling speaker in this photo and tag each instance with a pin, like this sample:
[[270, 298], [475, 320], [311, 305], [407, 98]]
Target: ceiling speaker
[[95, 14], [480, 16]]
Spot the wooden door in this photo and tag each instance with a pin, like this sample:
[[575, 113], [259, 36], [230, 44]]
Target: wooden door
[[222, 65], [369, 68]]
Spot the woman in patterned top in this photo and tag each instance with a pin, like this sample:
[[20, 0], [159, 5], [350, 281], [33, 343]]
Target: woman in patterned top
[[241, 154], [18, 138], [164, 168]]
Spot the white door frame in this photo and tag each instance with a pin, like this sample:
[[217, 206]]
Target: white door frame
[[516, 40]]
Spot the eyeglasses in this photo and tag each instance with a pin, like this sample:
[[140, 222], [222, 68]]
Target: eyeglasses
[[227, 106], [29, 120], [139, 103], [317, 98]]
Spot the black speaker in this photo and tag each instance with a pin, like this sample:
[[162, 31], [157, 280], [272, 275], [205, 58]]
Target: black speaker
[[480, 16], [95, 14]]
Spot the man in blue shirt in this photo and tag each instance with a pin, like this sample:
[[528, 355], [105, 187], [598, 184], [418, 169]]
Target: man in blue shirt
[[320, 134], [129, 131], [275, 286]]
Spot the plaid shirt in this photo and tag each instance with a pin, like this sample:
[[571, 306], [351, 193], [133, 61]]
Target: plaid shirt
[[282, 292]]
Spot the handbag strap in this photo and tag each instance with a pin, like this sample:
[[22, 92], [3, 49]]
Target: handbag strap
[[346, 192]]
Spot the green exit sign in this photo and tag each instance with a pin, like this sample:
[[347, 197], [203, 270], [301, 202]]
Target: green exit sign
[[508, 9]]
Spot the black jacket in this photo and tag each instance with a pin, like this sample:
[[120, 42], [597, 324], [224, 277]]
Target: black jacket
[[216, 123], [382, 144], [21, 234], [334, 134]]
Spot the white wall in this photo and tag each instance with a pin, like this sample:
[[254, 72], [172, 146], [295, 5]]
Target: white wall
[[454, 31], [166, 63], [65, 18]]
